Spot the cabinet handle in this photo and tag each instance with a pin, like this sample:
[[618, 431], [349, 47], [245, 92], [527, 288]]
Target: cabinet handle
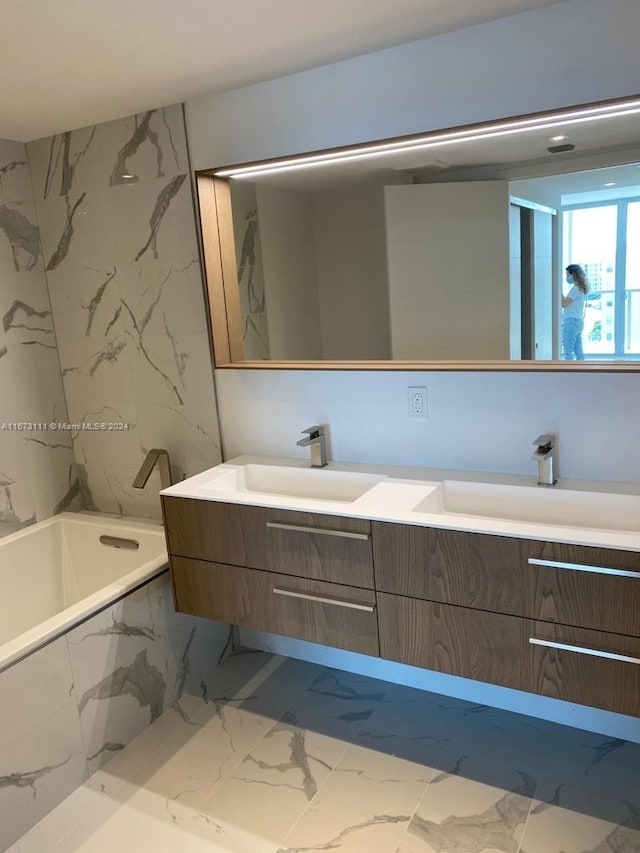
[[323, 599], [301, 529], [596, 653], [577, 567]]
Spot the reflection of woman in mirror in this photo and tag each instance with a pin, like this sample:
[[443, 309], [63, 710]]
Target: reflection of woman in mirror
[[573, 305]]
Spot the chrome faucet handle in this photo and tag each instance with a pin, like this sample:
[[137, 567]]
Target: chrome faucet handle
[[545, 440], [544, 446], [313, 431]]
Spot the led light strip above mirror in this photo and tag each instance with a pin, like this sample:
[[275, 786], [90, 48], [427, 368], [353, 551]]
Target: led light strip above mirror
[[492, 130]]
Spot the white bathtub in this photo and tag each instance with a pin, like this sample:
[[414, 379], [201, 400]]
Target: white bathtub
[[57, 573]]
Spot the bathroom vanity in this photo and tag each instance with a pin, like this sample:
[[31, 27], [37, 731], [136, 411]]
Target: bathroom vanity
[[476, 575]]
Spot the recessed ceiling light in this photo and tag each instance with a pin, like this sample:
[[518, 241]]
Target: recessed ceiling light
[[610, 184], [560, 138]]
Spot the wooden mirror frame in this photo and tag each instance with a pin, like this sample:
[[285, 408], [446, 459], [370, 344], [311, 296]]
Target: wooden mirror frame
[[221, 277]]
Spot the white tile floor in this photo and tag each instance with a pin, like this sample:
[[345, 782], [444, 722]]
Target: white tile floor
[[289, 757]]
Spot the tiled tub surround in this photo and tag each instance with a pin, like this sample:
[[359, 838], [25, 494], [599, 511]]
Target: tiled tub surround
[[289, 757], [115, 210], [73, 702], [37, 473]]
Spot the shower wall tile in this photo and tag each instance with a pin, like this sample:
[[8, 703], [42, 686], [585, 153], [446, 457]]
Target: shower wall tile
[[115, 208], [15, 179], [37, 468], [147, 146]]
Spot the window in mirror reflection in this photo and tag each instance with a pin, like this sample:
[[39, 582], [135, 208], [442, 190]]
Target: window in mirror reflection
[[606, 240]]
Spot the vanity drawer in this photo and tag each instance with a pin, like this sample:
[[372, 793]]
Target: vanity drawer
[[330, 614], [594, 668], [308, 545], [571, 584], [455, 640], [589, 587], [469, 569], [591, 667]]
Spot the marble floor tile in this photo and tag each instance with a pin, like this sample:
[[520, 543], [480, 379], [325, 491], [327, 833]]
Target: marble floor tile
[[569, 819], [282, 756], [279, 777], [479, 808], [366, 804]]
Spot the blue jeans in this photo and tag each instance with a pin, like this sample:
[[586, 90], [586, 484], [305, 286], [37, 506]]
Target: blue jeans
[[572, 338]]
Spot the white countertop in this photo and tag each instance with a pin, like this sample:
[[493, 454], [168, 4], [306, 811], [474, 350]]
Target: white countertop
[[395, 498]]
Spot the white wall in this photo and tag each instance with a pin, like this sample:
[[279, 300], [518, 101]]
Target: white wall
[[573, 52], [289, 261], [352, 272], [448, 255]]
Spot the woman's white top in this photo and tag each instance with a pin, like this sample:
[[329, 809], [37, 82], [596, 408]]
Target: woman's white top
[[576, 308]]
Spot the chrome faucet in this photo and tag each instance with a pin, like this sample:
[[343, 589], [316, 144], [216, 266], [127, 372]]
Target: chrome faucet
[[546, 455], [156, 456], [317, 441]]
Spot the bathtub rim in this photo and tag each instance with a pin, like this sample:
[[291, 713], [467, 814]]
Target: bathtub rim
[[25, 644]]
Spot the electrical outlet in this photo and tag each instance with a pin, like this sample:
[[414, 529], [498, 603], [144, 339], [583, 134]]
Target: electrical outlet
[[417, 402]]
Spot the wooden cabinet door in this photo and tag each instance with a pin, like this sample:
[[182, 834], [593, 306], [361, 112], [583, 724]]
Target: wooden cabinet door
[[455, 640], [330, 614], [309, 545], [469, 569]]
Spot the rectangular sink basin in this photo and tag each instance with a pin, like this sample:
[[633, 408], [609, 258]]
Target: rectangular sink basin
[[534, 504], [315, 483]]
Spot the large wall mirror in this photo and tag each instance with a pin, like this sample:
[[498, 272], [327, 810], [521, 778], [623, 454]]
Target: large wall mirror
[[445, 250]]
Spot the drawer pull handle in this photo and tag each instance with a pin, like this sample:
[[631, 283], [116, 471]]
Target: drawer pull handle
[[323, 599], [345, 534], [577, 567], [596, 653]]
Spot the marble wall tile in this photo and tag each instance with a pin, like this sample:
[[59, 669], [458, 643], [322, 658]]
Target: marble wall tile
[[119, 664], [70, 707], [109, 489], [38, 770], [147, 146], [115, 210], [129, 664], [15, 178], [19, 237], [251, 285], [36, 474], [33, 690]]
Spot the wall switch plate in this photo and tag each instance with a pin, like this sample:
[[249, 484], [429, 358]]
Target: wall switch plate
[[417, 402]]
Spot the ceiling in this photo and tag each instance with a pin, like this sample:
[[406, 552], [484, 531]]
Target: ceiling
[[70, 63]]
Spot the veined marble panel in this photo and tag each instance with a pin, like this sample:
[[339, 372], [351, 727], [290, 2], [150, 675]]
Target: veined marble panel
[[366, 804], [569, 819], [251, 284], [33, 690], [19, 236], [129, 663], [142, 147], [38, 770], [17, 507], [15, 179], [86, 302], [280, 776], [109, 489], [487, 811]]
